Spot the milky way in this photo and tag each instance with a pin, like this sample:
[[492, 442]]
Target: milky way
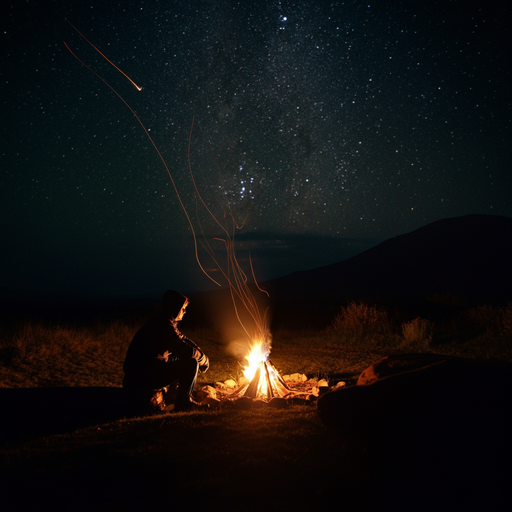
[[329, 126]]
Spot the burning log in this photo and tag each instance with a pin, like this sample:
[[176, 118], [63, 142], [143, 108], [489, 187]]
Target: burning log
[[267, 383], [252, 388]]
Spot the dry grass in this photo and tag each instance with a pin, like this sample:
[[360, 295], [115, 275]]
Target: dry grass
[[417, 334], [35, 354]]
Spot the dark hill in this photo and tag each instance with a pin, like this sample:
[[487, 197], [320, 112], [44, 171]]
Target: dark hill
[[470, 256]]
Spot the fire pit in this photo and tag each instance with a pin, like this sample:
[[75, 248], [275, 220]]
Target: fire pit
[[262, 383]]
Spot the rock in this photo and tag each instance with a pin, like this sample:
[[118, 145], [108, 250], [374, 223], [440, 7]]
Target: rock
[[339, 385], [323, 383], [392, 365], [323, 390], [298, 377], [447, 422], [456, 389], [206, 391], [230, 383]]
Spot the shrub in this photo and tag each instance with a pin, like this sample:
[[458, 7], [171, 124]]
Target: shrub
[[417, 333], [360, 322]]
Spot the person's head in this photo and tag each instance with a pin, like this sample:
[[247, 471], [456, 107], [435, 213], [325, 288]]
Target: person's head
[[173, 305]]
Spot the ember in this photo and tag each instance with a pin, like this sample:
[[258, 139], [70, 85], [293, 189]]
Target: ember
[[267, 383]]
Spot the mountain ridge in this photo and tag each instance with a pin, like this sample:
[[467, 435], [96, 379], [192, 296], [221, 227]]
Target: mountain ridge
[[467, 256]]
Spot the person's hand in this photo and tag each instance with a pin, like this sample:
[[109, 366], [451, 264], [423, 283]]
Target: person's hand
[[164, 356]]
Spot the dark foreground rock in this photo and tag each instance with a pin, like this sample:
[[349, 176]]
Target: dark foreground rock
[[391, 365], [443, 427]]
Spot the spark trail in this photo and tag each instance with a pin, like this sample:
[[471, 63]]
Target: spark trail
[[107, 59], [233, 274]]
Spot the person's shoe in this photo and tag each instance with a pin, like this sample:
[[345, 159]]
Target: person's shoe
[[157, 402]]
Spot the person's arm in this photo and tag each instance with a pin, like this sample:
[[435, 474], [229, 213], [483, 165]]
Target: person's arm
[[197, 353]]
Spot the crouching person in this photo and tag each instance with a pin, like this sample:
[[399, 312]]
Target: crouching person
[[160, 356]]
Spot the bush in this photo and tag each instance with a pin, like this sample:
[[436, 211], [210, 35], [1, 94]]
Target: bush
[[417, 334], [359, 322]]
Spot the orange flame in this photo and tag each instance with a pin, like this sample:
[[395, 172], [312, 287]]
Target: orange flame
[[258, 353]]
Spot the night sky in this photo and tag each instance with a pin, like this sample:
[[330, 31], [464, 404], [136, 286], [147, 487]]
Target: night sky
[[326, 126]]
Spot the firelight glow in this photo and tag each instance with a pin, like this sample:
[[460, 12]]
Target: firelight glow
[[259, 353]]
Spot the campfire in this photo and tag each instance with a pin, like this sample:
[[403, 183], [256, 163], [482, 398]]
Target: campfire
[[262, 383], [261, 378]]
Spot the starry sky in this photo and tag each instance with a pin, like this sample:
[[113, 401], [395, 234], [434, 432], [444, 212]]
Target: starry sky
[[322, 127]]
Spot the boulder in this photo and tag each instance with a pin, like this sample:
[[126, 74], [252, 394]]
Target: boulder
[[400, 363], [443, 424], [450, 392]]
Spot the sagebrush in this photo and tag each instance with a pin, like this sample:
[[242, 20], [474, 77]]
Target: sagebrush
[[359, 323], [417, 334]]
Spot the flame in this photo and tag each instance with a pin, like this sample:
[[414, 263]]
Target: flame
[[258, 353], [264, 381]]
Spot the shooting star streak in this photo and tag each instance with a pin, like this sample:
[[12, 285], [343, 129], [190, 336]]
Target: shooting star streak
[[108, 60], [158, 152]]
